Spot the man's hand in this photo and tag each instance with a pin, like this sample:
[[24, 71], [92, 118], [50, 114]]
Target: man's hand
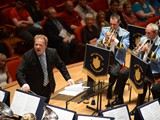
[[70, 82], [25, 88], [145, 48]]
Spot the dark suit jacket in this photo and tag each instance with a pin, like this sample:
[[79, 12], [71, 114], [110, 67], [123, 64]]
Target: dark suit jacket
[[52, 32], [30, 70]]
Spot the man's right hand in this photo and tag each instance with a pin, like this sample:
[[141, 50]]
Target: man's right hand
[[25, 88]]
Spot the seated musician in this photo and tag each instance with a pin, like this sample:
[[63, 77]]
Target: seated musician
[[116, 39], [150, 52]]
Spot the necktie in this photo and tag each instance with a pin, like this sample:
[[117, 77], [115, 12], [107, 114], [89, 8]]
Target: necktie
[[44, 68], [58, 24]]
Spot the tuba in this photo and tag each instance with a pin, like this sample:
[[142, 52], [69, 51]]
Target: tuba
[[107, 43]]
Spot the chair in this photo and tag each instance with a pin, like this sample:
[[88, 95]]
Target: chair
[[141, 24], [153, 19], [100, 5], [8, 50], [91, 4], [78, 35], [12, 66]]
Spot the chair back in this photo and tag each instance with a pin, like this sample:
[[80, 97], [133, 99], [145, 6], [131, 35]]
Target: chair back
[[78, 34], [5, 15], [12, 67]]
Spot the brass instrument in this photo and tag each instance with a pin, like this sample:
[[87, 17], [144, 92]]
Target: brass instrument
[[49, 114], [29, 116], [5, 111], [137, 50], [108, 42]]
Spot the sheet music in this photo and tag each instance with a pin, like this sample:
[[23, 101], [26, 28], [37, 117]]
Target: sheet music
[[73, 90], [62, 114], [151, 111], [2, 95], [120, 113], [91, 118], [24, 103]]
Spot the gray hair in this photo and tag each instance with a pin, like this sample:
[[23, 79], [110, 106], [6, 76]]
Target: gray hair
[[154, 26], [89, 15]]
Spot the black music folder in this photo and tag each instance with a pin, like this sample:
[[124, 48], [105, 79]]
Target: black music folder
[[96, 62], [120, 112], [138, 69], [5, 96], [62, 113], [91, 117], [150, 110], [135, 33], [24, 102]]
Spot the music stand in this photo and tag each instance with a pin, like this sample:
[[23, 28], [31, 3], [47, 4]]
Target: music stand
[[69, 98], [135, 33], [96, 65], [5, 96], [120, 112], [61, 113], [150, 110], [89, 117], [24, 102], [138, 69]]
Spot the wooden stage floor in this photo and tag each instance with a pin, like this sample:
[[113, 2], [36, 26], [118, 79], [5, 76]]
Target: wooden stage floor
[[76, 73]]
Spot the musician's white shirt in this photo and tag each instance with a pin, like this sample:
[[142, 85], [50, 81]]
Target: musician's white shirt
[[113, 44]]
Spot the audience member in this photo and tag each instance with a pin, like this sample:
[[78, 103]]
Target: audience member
[[114, 8], [128, 16], [4, 74], [90, 34], [143, 10], [100, 20], [35, 72], [82, 8], [146, 50], [71, 17], [34, 9], [24, 23], [60, 36], [156, 5], [118, 45]]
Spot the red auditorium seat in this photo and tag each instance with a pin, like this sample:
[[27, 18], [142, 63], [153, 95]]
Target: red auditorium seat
[[78, 35], [12, 67]]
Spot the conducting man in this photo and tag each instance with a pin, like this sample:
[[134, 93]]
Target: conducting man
[[35, 72]]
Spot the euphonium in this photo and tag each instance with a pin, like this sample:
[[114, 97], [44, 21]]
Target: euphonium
[[5, 111], [49, 114], [108, 42], [137, 50]]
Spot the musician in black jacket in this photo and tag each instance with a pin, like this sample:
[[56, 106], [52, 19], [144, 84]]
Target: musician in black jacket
[[31, 75]]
